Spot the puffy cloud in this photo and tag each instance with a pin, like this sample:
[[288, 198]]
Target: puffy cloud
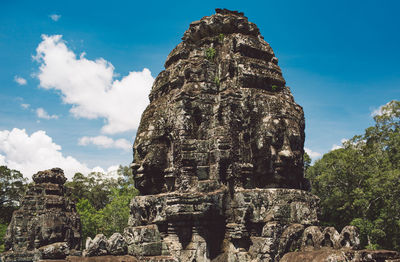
[[55, 17], [41, 113], [105, 142], [111, 172], [342, 141], [89, 86], [25, 106], [20, 80], [32, 153], [312, 154]]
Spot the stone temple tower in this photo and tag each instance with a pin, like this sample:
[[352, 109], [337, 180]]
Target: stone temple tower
[[218, 156]]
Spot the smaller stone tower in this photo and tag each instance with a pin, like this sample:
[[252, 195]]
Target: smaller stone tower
[[47, 224]]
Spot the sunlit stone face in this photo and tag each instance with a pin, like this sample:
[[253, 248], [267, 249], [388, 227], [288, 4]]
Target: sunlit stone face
[[277, 153]]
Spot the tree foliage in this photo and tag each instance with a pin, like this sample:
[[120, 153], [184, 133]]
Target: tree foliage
[[307, 161], [94, 187], [103, 202], [12, 188], [359, 184], [3, 229]]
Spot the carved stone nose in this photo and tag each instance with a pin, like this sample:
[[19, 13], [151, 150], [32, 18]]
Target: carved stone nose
[[285, 153], [135, 166], [140, 170]]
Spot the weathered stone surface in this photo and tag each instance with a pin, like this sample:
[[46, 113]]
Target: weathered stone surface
[[96, 246], [221, 135], [329, 255], [107, 258], [312, 238], [218, 156], [57, 250], [46, 224], [143, 241], [219, 151], [116, 245], [220, 115], [118, 259], [349, 237]]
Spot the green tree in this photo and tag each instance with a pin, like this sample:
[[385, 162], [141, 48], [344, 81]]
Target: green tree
[[307, 161], [111, 215], [3, 229], [12, 188], [95, 187], [359, 184], [89, 218], [114, 216]]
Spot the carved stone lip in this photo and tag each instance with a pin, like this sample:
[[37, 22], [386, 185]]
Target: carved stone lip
[[279, 168], [139, 175]]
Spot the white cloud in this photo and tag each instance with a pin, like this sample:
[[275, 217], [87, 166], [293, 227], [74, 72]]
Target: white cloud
[[25, 106], [377, 112], [111, 172], [380, 111], [312, 154], [89, 86], [105, 142], [98, 169], [112, 169], [41, 113], [20, 80], [55, 17], [342, 141], [32, 153]]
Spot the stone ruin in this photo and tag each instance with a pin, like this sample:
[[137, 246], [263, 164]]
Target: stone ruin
[[218, 156], [47, 225], [218, 161]]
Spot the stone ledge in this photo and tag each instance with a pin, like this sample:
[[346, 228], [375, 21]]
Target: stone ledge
[[326, 254]]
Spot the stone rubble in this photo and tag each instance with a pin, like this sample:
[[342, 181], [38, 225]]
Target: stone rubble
[[116, 245]]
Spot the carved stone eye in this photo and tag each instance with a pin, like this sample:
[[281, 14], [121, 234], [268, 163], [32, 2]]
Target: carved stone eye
[[140, 151]]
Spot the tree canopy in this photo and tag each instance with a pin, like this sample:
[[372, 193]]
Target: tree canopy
[[103, 201], [359, 184], [12, 188]]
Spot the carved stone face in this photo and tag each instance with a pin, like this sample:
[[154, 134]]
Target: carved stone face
[[286, 151], [151, 159], [277, 152], [233, 119]]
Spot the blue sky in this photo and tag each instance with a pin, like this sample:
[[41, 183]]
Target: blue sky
[[58, 91]]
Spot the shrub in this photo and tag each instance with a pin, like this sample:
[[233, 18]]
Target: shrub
[[221, 38], [210, 53], [217, 81]]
